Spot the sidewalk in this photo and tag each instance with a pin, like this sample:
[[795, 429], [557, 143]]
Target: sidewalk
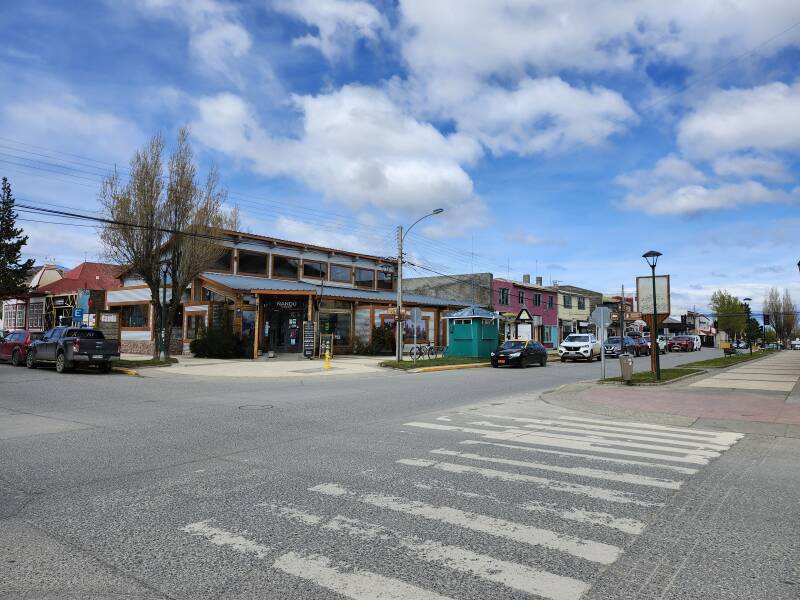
[[759, 398]]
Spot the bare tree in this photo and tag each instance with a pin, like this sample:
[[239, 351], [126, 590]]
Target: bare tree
[[773, 308], [162, 219], [789, 315]]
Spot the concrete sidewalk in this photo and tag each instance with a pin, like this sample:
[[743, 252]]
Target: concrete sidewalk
[[778, 373]]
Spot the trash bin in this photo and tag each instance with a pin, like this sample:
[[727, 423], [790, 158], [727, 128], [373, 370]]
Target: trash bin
[[626, 367]]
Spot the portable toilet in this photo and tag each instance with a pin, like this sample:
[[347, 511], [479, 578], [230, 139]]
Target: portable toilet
[[473, 332]]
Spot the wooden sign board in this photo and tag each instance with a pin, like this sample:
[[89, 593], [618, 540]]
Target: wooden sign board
[[308, 339]]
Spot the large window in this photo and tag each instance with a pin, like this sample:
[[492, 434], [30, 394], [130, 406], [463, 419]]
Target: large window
[[284, 267], [253, 263], [365, 278], [314, 269], [14, 316], [408, 331], [223, 262], [502, 296], [338, 324], [36, 316], [581, 303], [195, 325], [537, 299], [567, 301], [134, 315], [385, 280], [341, 273]]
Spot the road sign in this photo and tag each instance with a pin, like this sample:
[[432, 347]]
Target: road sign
[[601, 316], [77, 314]]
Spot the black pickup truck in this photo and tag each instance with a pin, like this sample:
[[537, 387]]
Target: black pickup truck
[[71, 346]]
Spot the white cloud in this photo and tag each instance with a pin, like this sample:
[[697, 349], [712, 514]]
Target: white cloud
[[357, 147], [292, 229], [744, 166], [765, 118], [216, 39], [340, 23]]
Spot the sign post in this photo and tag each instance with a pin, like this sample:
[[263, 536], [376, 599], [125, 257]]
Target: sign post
[[601, 317]]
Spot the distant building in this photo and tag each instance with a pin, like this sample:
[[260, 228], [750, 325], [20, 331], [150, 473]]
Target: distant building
[[575, 306], [15, 312]]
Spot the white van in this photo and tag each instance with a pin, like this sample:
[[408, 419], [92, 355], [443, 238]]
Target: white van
[[697, 343]]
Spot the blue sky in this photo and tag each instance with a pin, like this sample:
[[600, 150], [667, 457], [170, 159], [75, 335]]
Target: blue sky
[[562, 139]]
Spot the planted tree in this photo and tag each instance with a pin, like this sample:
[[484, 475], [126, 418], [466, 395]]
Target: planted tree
[[164, 218], [730, 313], [13, 270]]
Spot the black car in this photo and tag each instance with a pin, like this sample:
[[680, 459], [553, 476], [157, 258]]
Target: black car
[[611, 347], [519, 353]]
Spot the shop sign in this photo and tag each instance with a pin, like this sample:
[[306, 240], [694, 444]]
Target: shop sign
[[308, 339], [284, 304]]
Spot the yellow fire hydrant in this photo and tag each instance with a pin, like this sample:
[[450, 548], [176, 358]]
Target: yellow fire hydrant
[[327, 359]]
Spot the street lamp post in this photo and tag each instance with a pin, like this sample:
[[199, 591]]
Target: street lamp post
[[652, 258], [401, 235], [162, 354], [747, 302]]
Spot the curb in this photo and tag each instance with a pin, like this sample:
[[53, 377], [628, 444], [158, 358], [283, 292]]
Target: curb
[[449, 368], [124, 371], [697, 371]]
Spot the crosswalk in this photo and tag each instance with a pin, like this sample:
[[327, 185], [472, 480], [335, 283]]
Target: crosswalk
[[499, 505]]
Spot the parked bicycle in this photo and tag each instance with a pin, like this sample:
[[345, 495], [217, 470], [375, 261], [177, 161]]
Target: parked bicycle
[[420, 351]]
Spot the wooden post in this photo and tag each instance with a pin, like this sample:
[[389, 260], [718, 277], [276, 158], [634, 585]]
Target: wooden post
[[257, 332]]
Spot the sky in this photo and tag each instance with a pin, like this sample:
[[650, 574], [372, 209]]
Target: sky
[[562, 139]]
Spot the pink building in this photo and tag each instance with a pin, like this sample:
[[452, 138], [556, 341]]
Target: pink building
[[541, 303]]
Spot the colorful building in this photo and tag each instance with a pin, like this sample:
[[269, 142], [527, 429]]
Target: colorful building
[[539, 302], [575, 306]]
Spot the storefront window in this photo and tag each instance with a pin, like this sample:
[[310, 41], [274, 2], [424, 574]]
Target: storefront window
[[408, 331], [314, 270], [365, 278], [222, 262], [36, 315], [285, 267], [341, 273], [337, 324], [134, 315], [385, 280], [253, 263]]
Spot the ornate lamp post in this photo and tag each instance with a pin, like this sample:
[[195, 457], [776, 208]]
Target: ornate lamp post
[[400, 237], [162, 354], [652, 259]]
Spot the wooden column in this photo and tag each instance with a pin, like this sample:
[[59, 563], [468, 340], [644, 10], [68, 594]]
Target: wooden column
[[257, 332]]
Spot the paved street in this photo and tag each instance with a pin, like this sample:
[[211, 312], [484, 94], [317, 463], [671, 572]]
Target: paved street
[[442, 485]]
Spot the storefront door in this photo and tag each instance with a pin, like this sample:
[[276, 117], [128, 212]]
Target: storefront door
[[284, 322]]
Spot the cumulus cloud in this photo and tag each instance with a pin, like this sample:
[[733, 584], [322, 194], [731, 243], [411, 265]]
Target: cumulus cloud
[[358, 147], [744, 166], [216, 37], [763, 118], [339, 23]]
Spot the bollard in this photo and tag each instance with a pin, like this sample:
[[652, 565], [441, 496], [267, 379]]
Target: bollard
[[327, 359]]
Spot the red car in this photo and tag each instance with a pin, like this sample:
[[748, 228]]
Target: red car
[[681, 343], [14, 347]]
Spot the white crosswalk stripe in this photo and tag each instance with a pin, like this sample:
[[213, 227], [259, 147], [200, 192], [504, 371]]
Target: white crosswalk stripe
[[523, 483]]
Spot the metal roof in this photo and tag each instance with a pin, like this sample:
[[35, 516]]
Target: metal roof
[[473, 312], [248, 283]]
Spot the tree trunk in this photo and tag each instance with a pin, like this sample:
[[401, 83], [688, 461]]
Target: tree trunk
[[156, 300]]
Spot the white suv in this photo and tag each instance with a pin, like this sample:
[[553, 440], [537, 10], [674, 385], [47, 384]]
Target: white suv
[[579, 345], [662, 343]]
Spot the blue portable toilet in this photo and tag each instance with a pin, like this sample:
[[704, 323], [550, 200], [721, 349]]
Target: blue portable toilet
[[472, 332]]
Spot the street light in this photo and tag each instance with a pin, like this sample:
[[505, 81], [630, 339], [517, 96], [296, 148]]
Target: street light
[[400, 237], [747, 302], [652, 259], [162, 354]]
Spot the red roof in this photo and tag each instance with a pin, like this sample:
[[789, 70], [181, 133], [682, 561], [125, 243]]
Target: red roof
[[86, 276]]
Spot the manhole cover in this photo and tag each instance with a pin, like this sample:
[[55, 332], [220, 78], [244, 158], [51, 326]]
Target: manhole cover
[[255, 407]]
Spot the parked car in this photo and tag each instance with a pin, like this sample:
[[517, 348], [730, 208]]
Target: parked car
[[698, 343], [14, 346], [795, 344], [778, 346], [642, 346], [580, 346], [681, 343], [71, 346], [660, 340], [615, 345], [519, 353]]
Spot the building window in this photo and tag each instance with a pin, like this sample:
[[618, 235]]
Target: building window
[[521, 297], [537, 299], [222, 262], [581, 303], [338, 324], [341, 274], [365, 278], [549, 302], [567, 301], [36, 316], [195, 325], [314, 269], [422, 331], [134, 315], [502, 296], [253, 263], [547, 334], [208, 295], [284, 267], [14, 316], [385, 280]]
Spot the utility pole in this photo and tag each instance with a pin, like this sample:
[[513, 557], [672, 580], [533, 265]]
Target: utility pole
[[399, 315]]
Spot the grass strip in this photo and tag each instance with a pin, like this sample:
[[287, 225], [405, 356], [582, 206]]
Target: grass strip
[[649, 376], [726, 361], [433, 362]]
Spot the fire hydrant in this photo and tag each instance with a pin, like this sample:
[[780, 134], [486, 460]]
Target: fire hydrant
[[327, 359]]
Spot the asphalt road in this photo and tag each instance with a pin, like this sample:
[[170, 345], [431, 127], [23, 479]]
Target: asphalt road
[[443, 485]]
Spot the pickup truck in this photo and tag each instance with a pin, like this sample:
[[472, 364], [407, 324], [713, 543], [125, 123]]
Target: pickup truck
[[71, 346]]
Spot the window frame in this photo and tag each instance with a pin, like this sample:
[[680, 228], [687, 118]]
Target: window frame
[[239, 270], [211, 269], [581, 303], [537, 299], [520, 297], [324, 268], [503, 296], [39, 315], [274, 275], [567, 300], [390, 278], [360, 285], [121, 306], [550, 303], [332, 266]]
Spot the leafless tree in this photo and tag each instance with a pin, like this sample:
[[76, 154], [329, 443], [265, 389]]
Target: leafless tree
[[162, 218], [789, 315]]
